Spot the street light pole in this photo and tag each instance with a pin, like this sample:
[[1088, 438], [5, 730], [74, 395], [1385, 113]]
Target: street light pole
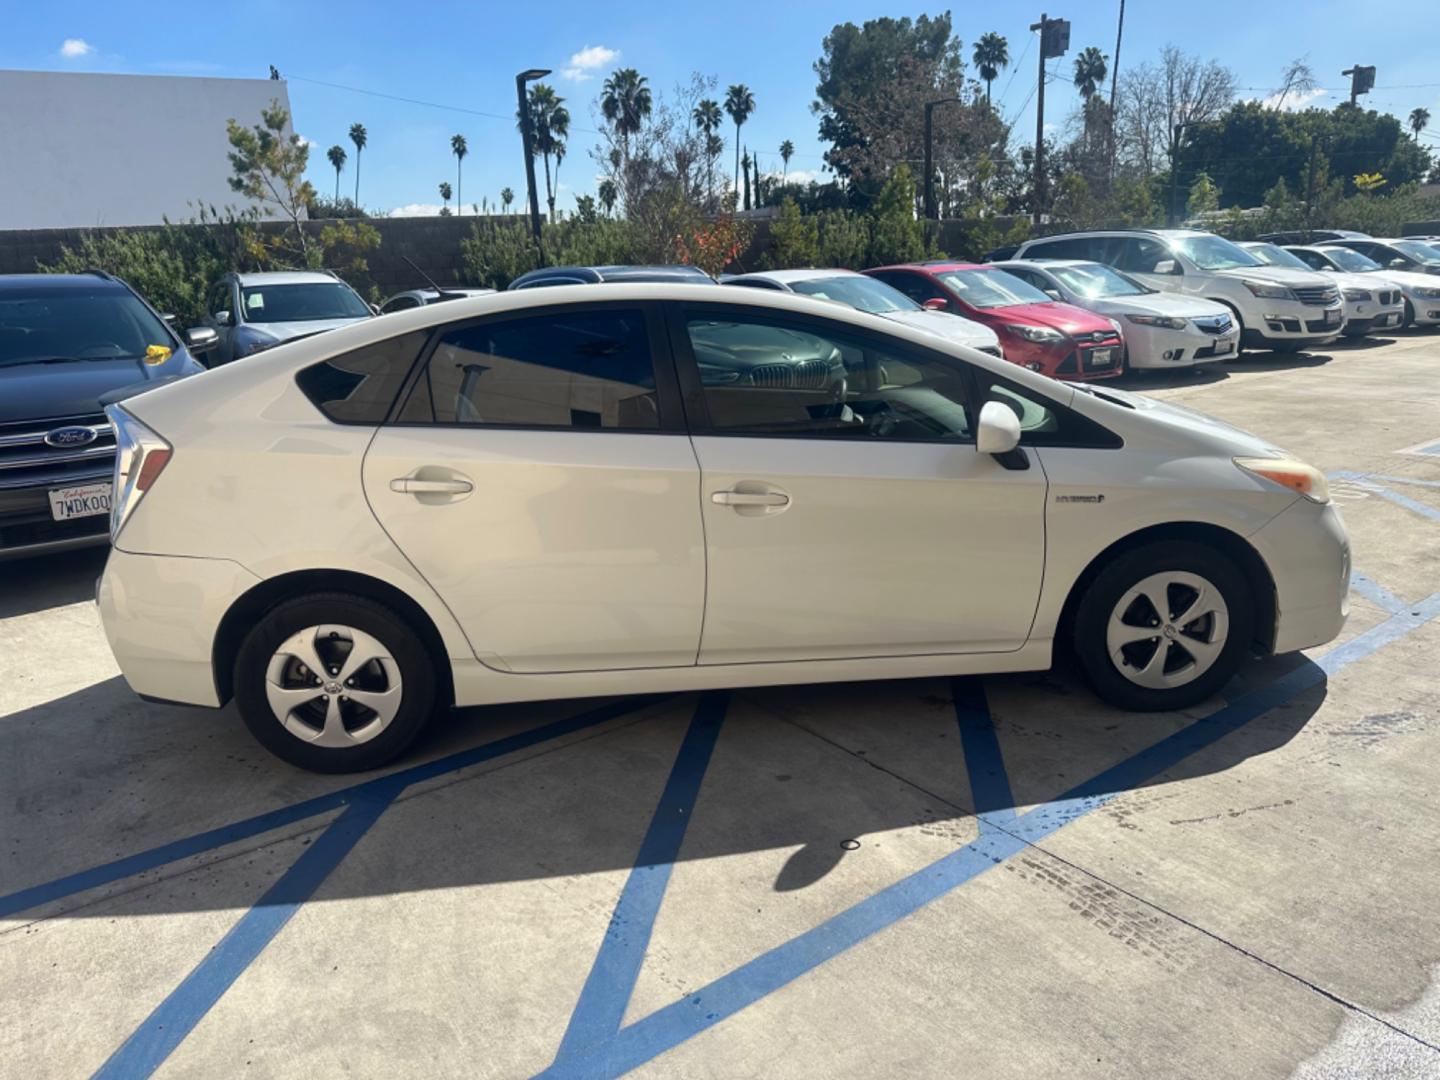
[[527, 135], [1054, 41], [930, 209]]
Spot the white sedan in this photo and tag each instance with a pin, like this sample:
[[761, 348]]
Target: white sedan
[[865, 293], [635, 488], [1419, 293], [1372, 301], [1161, 329]]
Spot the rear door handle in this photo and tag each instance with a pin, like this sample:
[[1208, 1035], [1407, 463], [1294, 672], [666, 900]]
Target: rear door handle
[[409, 485], [750, 498]]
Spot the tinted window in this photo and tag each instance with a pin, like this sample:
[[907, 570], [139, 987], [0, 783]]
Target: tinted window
[[914, 286], [1141, 255], [301, 303], [399, 303], [762, 376], [573, 369], [77, 323], [757, 283], [220, 298], [991, 288], [1214, 253], [1312, 259], [1076, 247], [359, 387], [1349, 260], [1030, 277]]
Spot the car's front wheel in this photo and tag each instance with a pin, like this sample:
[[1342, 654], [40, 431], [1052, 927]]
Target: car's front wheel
[[334, 683], [1163, 626]]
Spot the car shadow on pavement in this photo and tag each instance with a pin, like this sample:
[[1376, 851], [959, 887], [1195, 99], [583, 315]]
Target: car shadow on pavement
[[49, 581], [1145, 379], [799, 772], [1361, 344]]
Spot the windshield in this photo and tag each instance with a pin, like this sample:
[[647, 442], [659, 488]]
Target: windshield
[[67, 323], [1420, 252], [1096, 281], [861, 293], [302, 303], [1214, 253], [992, 288], [1349, 260], [1273, 255]]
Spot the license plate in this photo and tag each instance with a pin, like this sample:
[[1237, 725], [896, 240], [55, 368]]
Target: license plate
[[82, 500], [1100, 358], [1332, 317], [1225, 346], [1387, 320]]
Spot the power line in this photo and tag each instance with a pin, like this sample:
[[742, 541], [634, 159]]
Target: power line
[[1015, 68]]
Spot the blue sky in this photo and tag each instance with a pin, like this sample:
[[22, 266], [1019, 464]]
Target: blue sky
[[465, 56]]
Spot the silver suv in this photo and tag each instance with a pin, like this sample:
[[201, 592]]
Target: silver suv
[[1276, 307], [252, 312]]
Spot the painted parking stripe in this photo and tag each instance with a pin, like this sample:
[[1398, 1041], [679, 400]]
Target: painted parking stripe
[[989, 783], [1377, 594]]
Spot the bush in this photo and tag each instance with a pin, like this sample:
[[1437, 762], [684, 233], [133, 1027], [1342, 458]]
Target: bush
[[497, 252], [844, 239], [794, 239], [897, 236]]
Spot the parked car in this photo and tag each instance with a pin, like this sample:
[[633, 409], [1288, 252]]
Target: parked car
[[253, 312], [1162, 330], [414, 298], [867, 294], [67, 342], [345, 541], [1035, 331], [1419, 293], [1311, 236], [594, 275], [1412, 256], [1276, 308], [1370, 303]]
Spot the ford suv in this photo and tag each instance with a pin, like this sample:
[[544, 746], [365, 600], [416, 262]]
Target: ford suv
[[1276, 307]]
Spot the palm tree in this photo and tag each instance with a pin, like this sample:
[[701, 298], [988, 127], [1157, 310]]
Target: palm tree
[[787, 151], [506, 198], [459, 149], [445, 194], [992, 53], [336, 154], [707, 117], [359, 136], [1419, 121], [1091, 67], [549, 126], [625, 103], [745, 165], [739, 103], [607, 194]]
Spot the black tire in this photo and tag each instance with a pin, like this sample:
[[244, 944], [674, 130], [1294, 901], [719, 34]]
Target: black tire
[[1125, 571], [417, 673], [1409, 319]]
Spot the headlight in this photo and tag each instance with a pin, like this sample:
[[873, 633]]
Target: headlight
[[1300, 478], [1158, 320], [1269, 290], [1428, 294], [1036, 333], [1355, 295]]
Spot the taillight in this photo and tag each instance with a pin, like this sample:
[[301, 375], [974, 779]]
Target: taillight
[[140, 457]]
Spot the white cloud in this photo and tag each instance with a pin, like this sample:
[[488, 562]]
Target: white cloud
[[588, 60], [796, 176], [74, 48], [1296, 99], [308, 143], [416, 209]]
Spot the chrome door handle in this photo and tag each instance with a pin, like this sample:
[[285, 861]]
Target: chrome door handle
[[750, 498], [409, 485]]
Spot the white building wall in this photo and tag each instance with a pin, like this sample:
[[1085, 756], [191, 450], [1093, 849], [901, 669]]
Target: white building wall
[[82, 150]]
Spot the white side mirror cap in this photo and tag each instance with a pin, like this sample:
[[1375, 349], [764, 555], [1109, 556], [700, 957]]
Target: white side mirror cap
[[999, 431]]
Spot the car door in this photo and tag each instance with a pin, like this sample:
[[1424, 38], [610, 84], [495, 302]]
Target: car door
[[1150, 262], [220, 315], [538, 474], [847, 511]]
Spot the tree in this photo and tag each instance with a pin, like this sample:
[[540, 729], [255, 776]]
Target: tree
[[607, 193], [794, 239], [1419, 121], [360, 137], [1091, 68], [787, 151], [336, 154], [707, 117], [1204, 196], [1298, 78], [507, 196], [459, 149], [625, 102], [739, 103], [550, 127], [1182, 91], [445, 194], [745, 165], [991, 55]]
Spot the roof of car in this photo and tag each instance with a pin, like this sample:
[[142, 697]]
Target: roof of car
[[86, 280], [1046, 264], [287, 277], [808, 274], [679, 273], [934, 265]]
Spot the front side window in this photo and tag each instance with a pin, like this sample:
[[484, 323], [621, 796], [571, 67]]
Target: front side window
[[1214, 252], [1421, 253], [1096, 281], [858, 292], [308, 302], [60, 323], [1274, 255], [1350, 261], [763, 376], [219, 299], [991, 288], [359, 387], [588, 370], [913, 287], [399, 303]]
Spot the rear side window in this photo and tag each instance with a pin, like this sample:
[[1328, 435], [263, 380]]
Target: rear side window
[[1093, 248], [570, 369], [359, 387]]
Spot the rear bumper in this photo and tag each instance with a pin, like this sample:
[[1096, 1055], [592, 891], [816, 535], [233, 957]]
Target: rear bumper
[[161, 614]]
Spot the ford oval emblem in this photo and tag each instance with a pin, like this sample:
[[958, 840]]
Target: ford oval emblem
[[68, 437]]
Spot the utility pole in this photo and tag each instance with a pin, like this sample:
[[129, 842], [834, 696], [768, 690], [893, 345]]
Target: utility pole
[[1362, 80], [527, 135], [930, 211], [1115, 85], [1054, 41]]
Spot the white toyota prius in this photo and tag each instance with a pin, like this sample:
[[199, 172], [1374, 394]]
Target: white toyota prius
[[615, 489]]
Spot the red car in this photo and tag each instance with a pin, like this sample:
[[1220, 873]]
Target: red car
[[1044, 335]]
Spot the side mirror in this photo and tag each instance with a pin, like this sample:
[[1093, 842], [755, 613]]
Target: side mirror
[[999, 431], [1167, 266], [1398, 264], [374, 309], [200, 339], [1054, 294], [170, 318], [936, 303], [224, 318]]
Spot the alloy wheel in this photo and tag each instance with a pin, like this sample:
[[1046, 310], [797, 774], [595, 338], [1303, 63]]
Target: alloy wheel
[[333, 686], [1167, 630]]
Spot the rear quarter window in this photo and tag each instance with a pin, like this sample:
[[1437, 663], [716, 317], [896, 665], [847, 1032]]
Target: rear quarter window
[[359, 387]]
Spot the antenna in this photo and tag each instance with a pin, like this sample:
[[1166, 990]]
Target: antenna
[[444, 294]]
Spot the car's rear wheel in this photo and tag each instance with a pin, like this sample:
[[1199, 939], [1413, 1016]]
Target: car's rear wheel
[[334, 683], [1409, 319], [1163, 626]]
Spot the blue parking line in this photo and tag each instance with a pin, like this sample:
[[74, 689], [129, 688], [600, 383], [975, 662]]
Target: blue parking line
[[200, 843], [1377, 594], [682, 1020], [1406, 501], [175, 1017], [601, 1007], [985, 765]]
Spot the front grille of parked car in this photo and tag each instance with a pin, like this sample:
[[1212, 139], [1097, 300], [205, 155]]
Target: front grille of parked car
[[27, 460], [1213, 324], [1322, 295], [1388, 297], [806, 375]]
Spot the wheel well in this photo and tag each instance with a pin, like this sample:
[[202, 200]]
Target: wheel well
[[1257, 574], [255, 604]]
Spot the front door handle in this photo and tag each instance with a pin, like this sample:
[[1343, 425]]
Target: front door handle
[[409, 485], [750, 498]]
